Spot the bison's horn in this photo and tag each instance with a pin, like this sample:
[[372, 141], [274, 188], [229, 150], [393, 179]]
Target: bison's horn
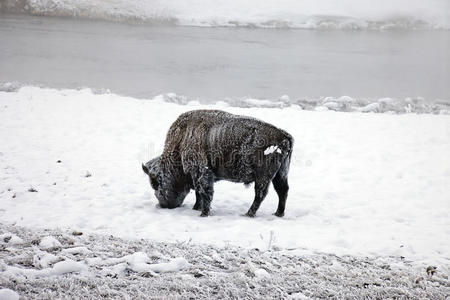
[[144, 167]]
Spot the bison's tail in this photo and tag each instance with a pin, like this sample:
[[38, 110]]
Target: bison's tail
[[287, 145]]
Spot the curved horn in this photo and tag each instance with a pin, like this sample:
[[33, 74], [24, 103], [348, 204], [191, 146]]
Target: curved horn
[[145, 169]]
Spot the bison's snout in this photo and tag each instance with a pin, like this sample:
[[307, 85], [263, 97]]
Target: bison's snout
[[170, 206], [169, 199]]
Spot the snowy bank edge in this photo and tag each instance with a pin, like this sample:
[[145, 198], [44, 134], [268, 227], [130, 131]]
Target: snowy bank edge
[[290, 15], [416, 105]]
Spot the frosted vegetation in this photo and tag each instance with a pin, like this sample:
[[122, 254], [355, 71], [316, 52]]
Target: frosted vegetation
[[113, 268]]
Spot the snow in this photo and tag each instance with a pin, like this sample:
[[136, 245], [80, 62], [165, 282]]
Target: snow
[[298, 296], [49, 242], [250, 102], [307, 14], [59, 268], [10, 239], [76, 250], [15, 240], [261, 273], [175, 265], [372, 107], [360, 184], [332, 105], [67, 266], [7, 294], [140, 262], [44, 260], [272, 149]]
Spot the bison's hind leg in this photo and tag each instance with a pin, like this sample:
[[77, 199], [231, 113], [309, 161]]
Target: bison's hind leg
[[280, 183], [272, 166], [261, 189]]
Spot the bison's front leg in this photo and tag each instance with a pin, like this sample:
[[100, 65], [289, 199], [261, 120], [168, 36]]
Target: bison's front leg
[[261, 189], [204, 190], [198, 202]]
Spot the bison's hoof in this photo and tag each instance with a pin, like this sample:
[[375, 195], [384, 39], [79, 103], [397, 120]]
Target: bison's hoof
[[279, 214], [250, 214], [203, 214]]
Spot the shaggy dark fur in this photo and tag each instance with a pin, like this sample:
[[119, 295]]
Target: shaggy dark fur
[[204, 146]]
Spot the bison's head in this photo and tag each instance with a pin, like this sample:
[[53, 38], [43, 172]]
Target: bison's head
[[169, 190]]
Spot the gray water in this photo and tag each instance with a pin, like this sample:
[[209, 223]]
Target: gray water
[[212, 64]]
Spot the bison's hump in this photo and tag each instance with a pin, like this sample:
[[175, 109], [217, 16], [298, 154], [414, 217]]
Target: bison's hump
[[215, 130], [218, 117]]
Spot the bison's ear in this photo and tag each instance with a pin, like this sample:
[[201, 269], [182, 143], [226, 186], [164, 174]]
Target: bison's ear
[[145, 169]]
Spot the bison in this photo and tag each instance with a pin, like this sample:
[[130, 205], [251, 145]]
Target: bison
[[204, 146]]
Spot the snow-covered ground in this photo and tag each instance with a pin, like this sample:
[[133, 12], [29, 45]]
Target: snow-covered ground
[[361, 183], [96, 266]]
